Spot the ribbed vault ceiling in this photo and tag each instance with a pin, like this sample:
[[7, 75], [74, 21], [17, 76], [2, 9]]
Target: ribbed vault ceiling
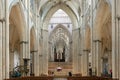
[[46, 5]]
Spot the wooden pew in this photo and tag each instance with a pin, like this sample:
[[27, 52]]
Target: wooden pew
[[33, 78], [89, 78], [68, 78]]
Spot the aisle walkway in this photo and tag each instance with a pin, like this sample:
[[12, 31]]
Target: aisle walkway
[[60, 79]]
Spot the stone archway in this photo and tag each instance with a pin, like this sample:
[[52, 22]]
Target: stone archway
[[63, 27], [101, 35], [106, 34], [64, 7], [60, 50], [16, 36], [16, 11], [46, 20]]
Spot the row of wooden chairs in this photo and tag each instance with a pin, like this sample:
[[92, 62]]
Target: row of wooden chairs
[[90, 78], [33, 78], [68, 78]]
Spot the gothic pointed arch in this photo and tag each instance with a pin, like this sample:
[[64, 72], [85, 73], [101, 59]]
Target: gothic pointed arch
[[101, 18], [103, 33], [59, 39], [13, 3], [102, 25], [19, 22], [65, 8], [16, 36], [48, 4], [62, 27]]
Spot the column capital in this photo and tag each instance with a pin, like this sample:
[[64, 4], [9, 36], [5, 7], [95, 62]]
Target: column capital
[[34, 51], [40, 55], [70, 42], [86, 50], [26, 59], [49, 42], [23, 42], [2, 20], [107, 50], [97, 40], [118, 17]]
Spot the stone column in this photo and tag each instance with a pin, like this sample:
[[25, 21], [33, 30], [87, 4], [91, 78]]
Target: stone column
[[51, 55], [40, 64], [75, 51], [24, 60], [34, 63], [52, 52], [70, 52], [97, 57], [23, 51], [109, 60], [3, 50], [93, 58], [67, 53], [31, 62], [45, 52], [80, 48], [85, 61], [1, 46], [27, 38], [11, 60], [41, 56], [116, 39], [92, 38], [28, 31], [1, 41], [6, 39]]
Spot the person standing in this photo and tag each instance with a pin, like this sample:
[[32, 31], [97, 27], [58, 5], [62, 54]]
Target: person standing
[[110, 72]]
